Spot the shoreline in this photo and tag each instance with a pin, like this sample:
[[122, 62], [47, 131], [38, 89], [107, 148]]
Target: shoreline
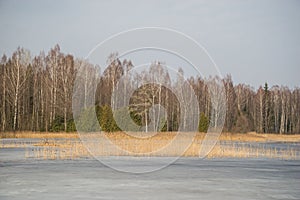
[[225, 136]]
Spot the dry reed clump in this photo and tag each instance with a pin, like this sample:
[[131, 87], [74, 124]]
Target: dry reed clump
[[258, 137], [239, 137], [58, 151], [71, 149], [13, 144], [69, 146]]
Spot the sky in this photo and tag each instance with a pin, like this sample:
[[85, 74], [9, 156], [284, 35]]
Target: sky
[[254, 41]]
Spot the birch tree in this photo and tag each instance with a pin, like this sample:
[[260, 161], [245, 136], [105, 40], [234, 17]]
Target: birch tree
[[53, 61], [3, 93], [16, 78]]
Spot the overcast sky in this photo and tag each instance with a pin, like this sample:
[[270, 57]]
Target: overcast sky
[[254, 41]]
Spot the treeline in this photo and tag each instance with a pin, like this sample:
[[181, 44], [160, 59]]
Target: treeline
[[36, 95]]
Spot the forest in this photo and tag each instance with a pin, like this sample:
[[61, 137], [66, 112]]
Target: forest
[[36, 95]]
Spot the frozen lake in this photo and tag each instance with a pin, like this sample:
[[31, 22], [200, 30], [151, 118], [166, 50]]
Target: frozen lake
[[187, 178]]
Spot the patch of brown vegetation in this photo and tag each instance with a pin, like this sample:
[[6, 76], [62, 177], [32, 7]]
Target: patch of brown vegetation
[[69, 145], [238, 137], [30, 134]]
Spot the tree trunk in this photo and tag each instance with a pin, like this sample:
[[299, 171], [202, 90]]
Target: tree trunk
[[16, 98], [4, 100]]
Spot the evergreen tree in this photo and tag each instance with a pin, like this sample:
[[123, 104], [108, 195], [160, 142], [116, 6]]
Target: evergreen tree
[[203, 123]]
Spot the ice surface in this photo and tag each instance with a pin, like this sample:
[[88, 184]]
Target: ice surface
[[187, 178]]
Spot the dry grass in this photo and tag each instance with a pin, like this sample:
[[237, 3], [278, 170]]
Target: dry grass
[[72, 150], [129, 146], [238, 137], [69, 146], [258, 137], [29, 134]]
